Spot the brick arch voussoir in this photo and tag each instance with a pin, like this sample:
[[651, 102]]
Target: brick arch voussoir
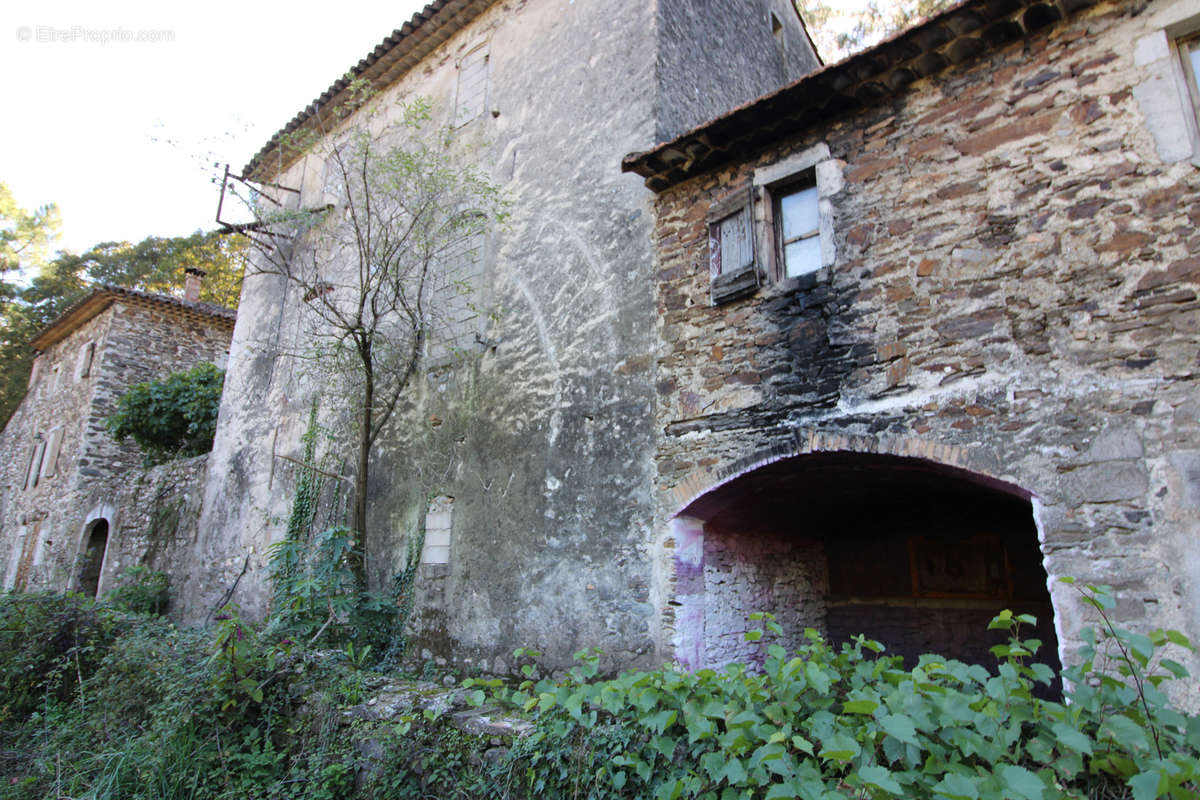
[[977, 461]]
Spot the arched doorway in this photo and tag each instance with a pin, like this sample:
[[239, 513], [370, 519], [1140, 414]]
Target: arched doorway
[[914, 554], [92, 558]]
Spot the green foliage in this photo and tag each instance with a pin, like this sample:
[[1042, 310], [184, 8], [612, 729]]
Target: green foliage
[[832, 723], [141, 590], [101, 704], [47, 644], [171, 418]]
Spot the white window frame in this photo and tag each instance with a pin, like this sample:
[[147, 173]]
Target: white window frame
[[1169, 97], [816, 165]]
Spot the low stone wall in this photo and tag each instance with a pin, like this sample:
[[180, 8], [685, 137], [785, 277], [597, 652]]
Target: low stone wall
[[156, 521]]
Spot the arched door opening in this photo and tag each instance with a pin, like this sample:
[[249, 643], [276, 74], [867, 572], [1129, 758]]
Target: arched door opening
[[913, 554], [92, 558]]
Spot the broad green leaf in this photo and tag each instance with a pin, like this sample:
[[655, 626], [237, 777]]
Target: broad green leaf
[[1147, 785], [734, 772], [860, 707], [956, 787], [1072, 738], [879, 776], [1022, 781], [901, 727]]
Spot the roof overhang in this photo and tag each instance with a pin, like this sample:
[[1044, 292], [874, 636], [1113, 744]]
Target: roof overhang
[[105, 295], [958, 35]]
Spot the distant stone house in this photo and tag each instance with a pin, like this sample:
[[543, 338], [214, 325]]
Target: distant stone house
[[929, 337], [75, 505]]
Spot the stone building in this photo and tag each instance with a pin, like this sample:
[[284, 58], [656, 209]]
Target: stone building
[[531, 461], [76, 506], [928, 337]]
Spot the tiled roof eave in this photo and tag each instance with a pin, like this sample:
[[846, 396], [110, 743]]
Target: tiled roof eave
[[390, 59], [106, 294], [958, 35]]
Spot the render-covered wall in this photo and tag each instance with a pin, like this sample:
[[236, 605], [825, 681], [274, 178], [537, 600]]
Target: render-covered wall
[[42, 527], [702, 68], [539, 442], [1014, 294]]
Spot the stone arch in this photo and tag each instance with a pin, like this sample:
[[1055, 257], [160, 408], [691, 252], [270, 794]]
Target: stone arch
[[98, 521], [976, 462], [936, 539]]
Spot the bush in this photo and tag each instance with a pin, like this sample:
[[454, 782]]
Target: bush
[[141, 591], [171, 418]]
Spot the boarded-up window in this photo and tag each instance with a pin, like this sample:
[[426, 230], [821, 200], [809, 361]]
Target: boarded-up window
[[50, 461], [457, 293], [438, 524], [731, 249], [471, 99], [800, 230], [35, 464], [83, 363]]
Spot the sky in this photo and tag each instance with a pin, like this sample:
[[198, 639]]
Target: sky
[[115, 111]]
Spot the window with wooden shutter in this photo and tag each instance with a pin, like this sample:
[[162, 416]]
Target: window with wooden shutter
[[83, 364], [732, 269], [50, 460], [471, 99]]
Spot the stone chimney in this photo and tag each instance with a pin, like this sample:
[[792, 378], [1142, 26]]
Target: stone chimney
[[192, 276]]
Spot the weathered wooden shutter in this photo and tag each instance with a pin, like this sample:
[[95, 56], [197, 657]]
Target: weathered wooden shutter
[[50, 461], [732, 269], [35, 465], [83, 366]]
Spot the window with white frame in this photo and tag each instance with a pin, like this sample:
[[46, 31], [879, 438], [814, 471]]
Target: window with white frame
[[471, 97], [1169, 94], [780, 228], [798, 226]]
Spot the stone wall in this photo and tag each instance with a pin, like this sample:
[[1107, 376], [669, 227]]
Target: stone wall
[[45, 527], [1014, 294], [159, 510], [541, 434]]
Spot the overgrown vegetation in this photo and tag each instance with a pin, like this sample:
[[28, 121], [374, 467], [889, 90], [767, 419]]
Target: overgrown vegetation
[[101, 703], [171, 418]]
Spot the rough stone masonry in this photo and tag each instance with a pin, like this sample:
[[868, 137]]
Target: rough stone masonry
[[1006, 303]]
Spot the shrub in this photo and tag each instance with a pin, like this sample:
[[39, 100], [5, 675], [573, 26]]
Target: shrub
[[141, 591], [173, 417]]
